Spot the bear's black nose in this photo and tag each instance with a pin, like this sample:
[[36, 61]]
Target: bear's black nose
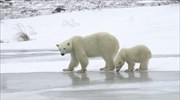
[[117, 70], [62, 54]]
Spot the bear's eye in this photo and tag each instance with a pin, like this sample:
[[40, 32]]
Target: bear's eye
[[68, 43], [119, 62], [64, 48]]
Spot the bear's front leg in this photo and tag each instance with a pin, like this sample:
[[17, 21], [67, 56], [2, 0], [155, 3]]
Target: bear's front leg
[[103, 68], [110, 66], [74, 63], [84, 62], [67, 69], [130, 67]]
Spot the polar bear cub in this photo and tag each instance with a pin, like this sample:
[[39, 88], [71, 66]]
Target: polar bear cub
[[100, 44], [137, 54]]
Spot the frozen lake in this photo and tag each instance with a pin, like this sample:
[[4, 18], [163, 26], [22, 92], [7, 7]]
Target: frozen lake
[[33, 79], [93, 85]]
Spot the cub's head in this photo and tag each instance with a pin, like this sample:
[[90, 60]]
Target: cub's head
[[65, 47], [119, 61]]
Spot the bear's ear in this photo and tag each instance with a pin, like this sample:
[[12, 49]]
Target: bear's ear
[[68, 43], [57, 45]]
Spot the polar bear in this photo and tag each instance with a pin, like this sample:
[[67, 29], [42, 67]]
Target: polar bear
[[137, 54], [99, 44]]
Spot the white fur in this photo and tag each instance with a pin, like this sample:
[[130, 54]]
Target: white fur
[[137, 54], [95, 45]]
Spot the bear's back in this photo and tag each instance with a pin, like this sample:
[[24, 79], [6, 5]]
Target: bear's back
[[98, 43], [140, 52]]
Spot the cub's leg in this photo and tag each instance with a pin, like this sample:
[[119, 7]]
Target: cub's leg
[[130, 67]]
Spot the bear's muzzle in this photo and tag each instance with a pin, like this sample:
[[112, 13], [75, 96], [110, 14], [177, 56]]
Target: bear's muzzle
[[62, 54]]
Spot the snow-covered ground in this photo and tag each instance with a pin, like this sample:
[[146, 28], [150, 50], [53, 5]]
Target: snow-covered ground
[[156, 27]]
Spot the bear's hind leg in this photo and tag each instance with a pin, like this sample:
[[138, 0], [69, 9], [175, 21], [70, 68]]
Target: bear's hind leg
[[110, 66], [143, 66]]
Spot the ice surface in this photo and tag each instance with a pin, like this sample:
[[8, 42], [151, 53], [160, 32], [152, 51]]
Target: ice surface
[[92, 85]]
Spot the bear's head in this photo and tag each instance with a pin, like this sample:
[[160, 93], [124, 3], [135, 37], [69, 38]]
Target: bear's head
[[65, 47], [119, 61]]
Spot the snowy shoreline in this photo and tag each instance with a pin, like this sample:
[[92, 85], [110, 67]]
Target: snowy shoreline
[[156, 27]]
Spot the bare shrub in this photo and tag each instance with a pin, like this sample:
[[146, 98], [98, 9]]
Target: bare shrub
[[23, 37], [1, 41], [22, 34]]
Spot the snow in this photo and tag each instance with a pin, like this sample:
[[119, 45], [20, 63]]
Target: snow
[[157, 27]]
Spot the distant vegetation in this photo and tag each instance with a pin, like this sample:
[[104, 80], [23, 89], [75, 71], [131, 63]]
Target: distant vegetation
[[12, 9]]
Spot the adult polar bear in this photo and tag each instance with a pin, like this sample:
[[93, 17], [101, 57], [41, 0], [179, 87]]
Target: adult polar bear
[[100, 44]]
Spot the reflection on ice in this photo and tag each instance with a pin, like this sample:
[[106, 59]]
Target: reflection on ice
[[79, 79], [69, 80], [92, 85]]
